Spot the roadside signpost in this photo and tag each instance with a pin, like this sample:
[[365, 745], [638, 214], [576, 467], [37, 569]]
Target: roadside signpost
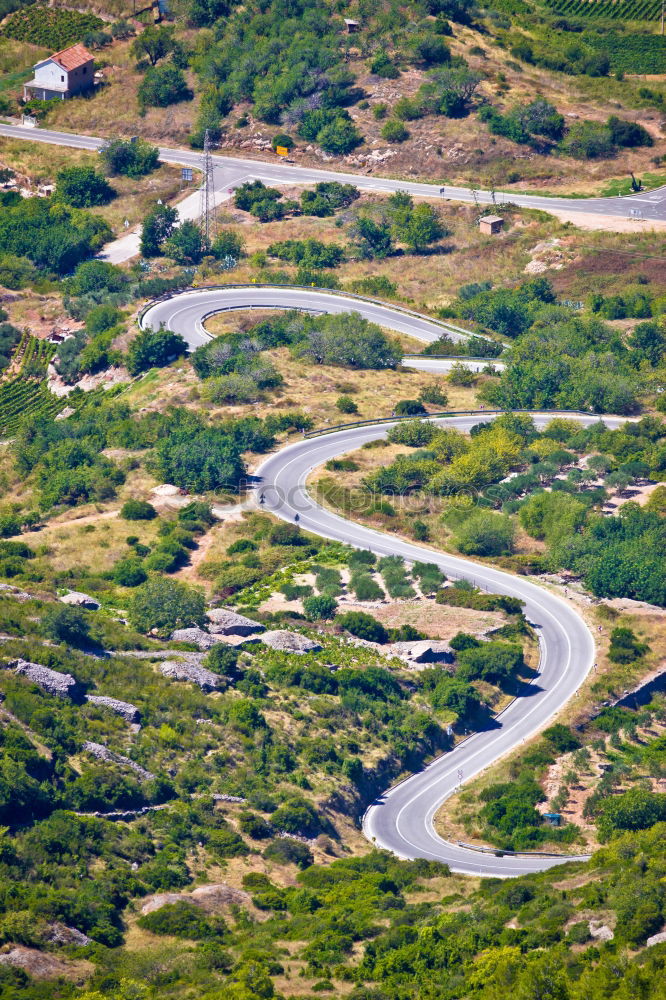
[[282, 151]]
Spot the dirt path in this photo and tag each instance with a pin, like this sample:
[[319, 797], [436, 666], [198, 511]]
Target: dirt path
[[610, 223]]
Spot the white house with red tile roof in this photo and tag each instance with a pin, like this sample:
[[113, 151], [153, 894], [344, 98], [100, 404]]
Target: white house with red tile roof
[[62, 75]]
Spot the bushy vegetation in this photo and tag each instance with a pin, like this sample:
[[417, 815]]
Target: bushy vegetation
[[66, 466], [514, 469], [82, 187], [346, 339], [53, 236], [306, 742], [131, 158]]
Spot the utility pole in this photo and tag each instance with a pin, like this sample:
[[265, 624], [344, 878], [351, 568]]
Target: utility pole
[[207, 193], [662, 16]]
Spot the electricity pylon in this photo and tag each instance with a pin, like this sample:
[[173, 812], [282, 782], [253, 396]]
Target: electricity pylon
[[207, 193]]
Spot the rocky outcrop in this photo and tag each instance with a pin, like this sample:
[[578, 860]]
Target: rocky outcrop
[[197, 636], [659, 938], [423, 652], [44, 965], [182, 671], [290, 642], [599, 931], [6, 590], [209, 897], [61, 934], [51, 681], [123, 708], [103, 753], [226, 622], [80, 600]]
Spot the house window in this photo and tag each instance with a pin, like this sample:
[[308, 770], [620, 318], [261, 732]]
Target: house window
[[62, 79]]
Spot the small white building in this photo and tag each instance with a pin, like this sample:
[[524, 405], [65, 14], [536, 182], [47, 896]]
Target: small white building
[[62, 75]]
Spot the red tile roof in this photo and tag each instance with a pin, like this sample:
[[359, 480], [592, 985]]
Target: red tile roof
[[73, 57]]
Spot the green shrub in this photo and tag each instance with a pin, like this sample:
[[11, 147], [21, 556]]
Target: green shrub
[[162, 86], [624, 133], [434, 394], [587, 140], [420, 531], [244, 716], [382, 65], [319, 607], [394, 131], [166, 605], [130, 158], [228, 244], [625, 647], [282, 139], [297, 815], [66, 624], [286, 534], [285, 851], [295, 592], [222, 659], [485, 533], [256, 827], [560, 738], [462, 640], [235, 578], [636, 809], [181, 919], [409, 408], [226, 843], [154, 349], [339, 137], [361, 557], [138, 510], [363, 626], [83, 187], [241, 545], [579, 933], [328, 580], [345, 404], [366, 588], [129, 573], [497, 662]]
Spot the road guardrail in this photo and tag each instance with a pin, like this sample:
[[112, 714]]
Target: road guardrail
[[444, 413], [446, 327]]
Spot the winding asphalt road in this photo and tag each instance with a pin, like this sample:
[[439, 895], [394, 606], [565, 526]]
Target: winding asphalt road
[[229, 171], [187, 312], [402, 819]]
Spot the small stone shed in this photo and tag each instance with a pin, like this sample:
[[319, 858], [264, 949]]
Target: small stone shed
[[490, 225]]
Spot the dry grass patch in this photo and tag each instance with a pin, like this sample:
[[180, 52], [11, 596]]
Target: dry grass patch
[[88, 539], [113, 108], [311, 388], [436, 620], [424, 281], [134, 197]]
